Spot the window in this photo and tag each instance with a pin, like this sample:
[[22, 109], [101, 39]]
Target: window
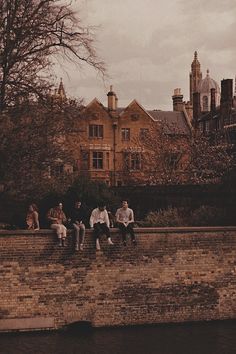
[[108, 161], [132, 161], [96, 131], [58, 170], [172, 160], [207, 126], [143, 134], [97, 160], [135, 161], [201, 127], [125, 134], [205, 103]]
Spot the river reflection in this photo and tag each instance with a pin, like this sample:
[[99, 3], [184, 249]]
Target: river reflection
[[196, 338]]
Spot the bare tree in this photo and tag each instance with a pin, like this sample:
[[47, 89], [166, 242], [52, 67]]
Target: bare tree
[[32, 32]]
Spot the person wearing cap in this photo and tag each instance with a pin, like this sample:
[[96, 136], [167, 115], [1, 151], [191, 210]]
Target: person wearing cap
[[57, 218], [99, 221]]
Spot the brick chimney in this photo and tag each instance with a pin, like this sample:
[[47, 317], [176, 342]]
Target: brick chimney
[[177, 100], [112, 100], [196, 109], [226, 101]]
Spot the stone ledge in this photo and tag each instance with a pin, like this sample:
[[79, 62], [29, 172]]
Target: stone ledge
[[137, 230]]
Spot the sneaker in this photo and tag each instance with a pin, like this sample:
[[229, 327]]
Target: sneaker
[[76, 247], [98, 245], [60, 242], [110, 241], [81, 247]]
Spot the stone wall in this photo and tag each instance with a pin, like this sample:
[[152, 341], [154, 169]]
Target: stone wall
[[172, 275]]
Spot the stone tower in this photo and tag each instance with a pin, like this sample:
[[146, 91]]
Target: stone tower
[[195, 77]]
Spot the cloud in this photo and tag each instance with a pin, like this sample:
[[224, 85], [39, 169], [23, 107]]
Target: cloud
[[148, 46]]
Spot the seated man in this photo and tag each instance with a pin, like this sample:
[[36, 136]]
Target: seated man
[[78, 222], [99, 220], [125, 222], [56, 217]]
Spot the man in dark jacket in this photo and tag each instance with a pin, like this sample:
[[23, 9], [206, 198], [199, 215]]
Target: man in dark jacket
[[78, 222]]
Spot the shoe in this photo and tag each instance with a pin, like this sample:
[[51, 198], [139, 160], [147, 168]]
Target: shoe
[[98, 245], [134, 242], [110, 241], [124, 243], [81, 247], [60, 242], [76, 247]]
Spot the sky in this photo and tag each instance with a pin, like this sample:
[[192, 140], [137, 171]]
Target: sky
[[148, 47]]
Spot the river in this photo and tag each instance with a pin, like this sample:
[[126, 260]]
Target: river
[[194, 338]]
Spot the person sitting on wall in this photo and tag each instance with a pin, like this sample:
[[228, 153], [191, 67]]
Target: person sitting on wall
[[32, 217], [78, 222], [99, 220], [125, 222], [57, 218]]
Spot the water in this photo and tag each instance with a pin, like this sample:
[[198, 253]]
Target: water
[[197, 338]]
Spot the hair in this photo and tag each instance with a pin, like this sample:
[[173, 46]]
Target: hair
[[34, 206], [101, 204]]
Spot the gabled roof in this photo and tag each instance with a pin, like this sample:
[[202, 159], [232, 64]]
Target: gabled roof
[[175, 121], [139, 105], [95, 101]]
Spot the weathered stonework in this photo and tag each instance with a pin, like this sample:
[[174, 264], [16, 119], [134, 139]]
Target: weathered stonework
[[172, 275]]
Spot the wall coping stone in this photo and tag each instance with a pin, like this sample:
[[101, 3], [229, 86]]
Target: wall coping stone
[[137, 230]]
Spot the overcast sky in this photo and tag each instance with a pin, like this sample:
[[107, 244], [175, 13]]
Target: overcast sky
[[148, 47]]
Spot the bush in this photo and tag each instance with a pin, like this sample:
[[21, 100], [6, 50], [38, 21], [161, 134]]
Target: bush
[[164, 218], [207, 215]]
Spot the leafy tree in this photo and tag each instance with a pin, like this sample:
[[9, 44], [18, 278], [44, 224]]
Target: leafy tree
[[91, 193], [35, 156]]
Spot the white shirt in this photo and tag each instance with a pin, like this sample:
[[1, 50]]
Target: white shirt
[[99, 216], [125, 215]]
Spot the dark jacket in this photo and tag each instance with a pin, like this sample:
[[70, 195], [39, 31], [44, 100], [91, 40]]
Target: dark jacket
[[78, 214]]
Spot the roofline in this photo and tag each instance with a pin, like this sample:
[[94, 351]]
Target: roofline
[[135, 101]]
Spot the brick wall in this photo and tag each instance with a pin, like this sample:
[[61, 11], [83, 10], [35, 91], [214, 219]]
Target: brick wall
[[172, 275]]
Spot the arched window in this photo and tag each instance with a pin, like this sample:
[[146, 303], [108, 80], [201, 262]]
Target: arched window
[[205, 103]]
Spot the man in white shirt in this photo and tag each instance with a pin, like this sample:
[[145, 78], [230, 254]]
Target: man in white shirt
[[99, 221], [125, 221]]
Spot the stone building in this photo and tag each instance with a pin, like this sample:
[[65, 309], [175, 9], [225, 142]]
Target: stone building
[[220, 117], [203, 86], [109, 141]]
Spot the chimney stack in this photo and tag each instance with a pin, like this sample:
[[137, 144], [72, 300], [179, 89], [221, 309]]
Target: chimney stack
[[177, 100], [196, 109], [112, 100], [226, 101]]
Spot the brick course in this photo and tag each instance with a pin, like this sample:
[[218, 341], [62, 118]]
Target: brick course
[[173, 275]]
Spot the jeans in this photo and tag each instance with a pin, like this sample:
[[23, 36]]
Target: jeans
[[79, 233], [100, 229], [126, 230]]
